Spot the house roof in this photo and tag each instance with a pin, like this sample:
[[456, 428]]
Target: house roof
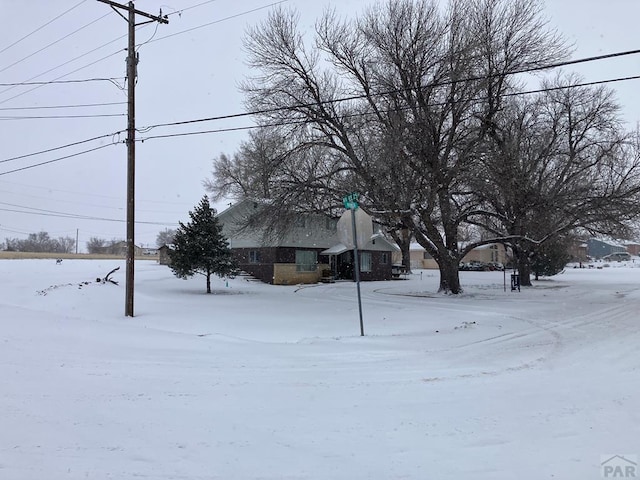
[[313, 231], [337, 249], [377, 243]]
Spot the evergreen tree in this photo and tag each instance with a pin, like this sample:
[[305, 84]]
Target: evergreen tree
[[200, 247], [550, 258]]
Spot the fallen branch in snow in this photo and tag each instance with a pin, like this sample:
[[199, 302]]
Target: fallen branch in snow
[[81, 284], [107, 279]]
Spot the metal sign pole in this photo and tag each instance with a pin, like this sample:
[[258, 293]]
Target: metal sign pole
[[357, 267]]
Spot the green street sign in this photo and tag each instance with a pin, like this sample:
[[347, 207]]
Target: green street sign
[[351, 201]]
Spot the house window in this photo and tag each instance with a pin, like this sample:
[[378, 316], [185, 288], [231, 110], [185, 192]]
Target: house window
[[365, 262], [426, 256], [306, 260], [255, 256], [301, 222], [384, 258]]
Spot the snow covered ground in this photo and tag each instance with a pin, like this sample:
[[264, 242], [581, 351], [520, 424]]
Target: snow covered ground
[[274, 382]]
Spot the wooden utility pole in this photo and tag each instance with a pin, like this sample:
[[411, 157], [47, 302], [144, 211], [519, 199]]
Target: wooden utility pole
[[132, 66]]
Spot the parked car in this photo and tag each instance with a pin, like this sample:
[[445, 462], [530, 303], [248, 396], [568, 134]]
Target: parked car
[[617, 257], [475, 266]]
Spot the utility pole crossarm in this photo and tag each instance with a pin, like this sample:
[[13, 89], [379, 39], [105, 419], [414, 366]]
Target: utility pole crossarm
[[137, 12]]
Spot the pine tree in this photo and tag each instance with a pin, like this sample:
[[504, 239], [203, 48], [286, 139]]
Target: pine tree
[[200, 247], [550, 258]]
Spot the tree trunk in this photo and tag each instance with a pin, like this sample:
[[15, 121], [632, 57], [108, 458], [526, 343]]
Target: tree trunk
[[406, 254], [403, 240], [208, 282], [406, 259], [449, 275], [524, 268]]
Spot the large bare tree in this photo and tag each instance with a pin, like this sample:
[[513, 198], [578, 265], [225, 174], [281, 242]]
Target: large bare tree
[[401, 97], [555, 163]]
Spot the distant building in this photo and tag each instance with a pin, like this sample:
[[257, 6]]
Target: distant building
[[633, 248], [163, 255], [494, 252], [598, 248]]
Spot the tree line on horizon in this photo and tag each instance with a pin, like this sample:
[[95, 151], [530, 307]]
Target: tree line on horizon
[[39, 242], [43, 242]]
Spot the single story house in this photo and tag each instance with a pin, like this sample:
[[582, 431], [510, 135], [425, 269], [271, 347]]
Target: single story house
[[633, 248], [598, 248], [308, 251]]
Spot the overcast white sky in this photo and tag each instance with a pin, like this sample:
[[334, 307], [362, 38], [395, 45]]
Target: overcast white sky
[[188, 75]]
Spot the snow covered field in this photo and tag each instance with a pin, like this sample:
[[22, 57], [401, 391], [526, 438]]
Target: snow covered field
[[272, 382]]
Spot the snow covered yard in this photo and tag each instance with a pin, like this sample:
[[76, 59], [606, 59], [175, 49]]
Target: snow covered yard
[[271, 382]]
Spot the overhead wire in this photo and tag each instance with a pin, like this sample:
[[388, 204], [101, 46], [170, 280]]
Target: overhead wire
[[57, 117], [49, 45], [182, 10], [3, 227], [281, 124], [58, 82], [85, 204], [80, 105], [27, 167], [388, 92], [230, 129], [218, 21], [84, 194], [42, 26], [82, 217], [72, 144], [112, 80], [119, 51]]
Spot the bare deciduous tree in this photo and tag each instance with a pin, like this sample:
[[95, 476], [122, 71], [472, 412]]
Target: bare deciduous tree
[[426, 83], [41, 242], [165, 237], [556, 163]]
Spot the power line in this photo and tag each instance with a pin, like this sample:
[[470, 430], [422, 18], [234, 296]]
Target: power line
[[182, 10], [204, 132], [54, 160], [218, 21], [363, 96], [81, 105], [41, 27], [252, 127], [233, 129], [223, 117], [119, 51], [2, 227], [82, 217], [54, 42], [57, 81], [85, 194], [71, 61], [80, 142], [84, 204], [61, 76], [48, 117]]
